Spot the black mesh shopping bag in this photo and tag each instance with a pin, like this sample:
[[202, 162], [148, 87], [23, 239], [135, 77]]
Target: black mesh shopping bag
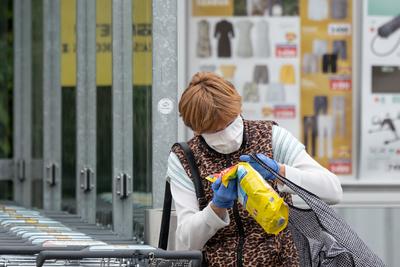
[[321, 236]]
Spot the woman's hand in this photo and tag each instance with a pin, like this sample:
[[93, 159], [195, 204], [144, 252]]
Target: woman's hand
[[224, 197], [267, 175]]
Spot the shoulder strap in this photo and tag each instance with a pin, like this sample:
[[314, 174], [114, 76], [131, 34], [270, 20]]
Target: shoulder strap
[[166, 213], [166, 216], [198, 186]]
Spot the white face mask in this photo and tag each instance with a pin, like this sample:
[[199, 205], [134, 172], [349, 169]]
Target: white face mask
[[228, 140]]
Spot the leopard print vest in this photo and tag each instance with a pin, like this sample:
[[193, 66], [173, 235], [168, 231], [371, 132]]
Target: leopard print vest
[[243, 242]]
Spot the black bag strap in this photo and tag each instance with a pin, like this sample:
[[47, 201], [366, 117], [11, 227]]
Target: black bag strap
[[166, 214], [300, 191], [198, 186]]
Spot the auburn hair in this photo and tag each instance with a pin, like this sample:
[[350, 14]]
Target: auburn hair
[[209, 102]]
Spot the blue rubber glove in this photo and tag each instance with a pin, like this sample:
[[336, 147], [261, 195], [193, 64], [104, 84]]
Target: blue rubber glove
[[267, 175], [224, 197]]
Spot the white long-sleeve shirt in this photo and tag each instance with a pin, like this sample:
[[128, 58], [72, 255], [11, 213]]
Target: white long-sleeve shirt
[[195, 227]]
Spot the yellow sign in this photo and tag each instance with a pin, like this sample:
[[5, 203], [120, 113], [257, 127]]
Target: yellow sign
[[212, 7], [141, 34]]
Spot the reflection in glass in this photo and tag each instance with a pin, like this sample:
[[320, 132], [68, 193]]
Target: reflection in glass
[[104, 112], [68, 104], [104, 156], [6, 78], [6, 91], [142, 87], [37, 100]]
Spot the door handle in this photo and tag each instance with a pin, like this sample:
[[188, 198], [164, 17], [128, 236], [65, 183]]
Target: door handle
[[87, 180], [21, 170], [51, 174], [123, 185]]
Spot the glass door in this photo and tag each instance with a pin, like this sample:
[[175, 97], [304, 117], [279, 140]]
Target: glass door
[[90, 108], [124, 142]]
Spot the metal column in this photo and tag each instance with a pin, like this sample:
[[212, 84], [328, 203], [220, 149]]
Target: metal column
[[22, 102], [165, 84], [51, 105], [86, 109], [122, 116]]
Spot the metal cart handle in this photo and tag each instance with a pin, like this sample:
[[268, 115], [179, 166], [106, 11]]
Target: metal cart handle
[[32, 250], [196, 256]]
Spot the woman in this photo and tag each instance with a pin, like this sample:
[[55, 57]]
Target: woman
[[224, 230]]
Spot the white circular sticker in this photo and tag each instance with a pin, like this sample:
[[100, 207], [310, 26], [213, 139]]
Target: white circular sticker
[[165, 105]]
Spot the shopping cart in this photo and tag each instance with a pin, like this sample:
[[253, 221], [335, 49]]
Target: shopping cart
[[42, 238]]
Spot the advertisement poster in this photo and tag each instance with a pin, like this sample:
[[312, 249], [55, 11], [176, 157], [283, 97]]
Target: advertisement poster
[[326, 82], [380, 129], [255, 45]]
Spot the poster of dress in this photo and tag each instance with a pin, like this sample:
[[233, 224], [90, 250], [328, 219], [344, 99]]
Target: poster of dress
[[326, 82], [380, 127], [255, 45]]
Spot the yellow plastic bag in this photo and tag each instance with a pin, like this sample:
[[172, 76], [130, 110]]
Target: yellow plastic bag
[[257, 196]]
